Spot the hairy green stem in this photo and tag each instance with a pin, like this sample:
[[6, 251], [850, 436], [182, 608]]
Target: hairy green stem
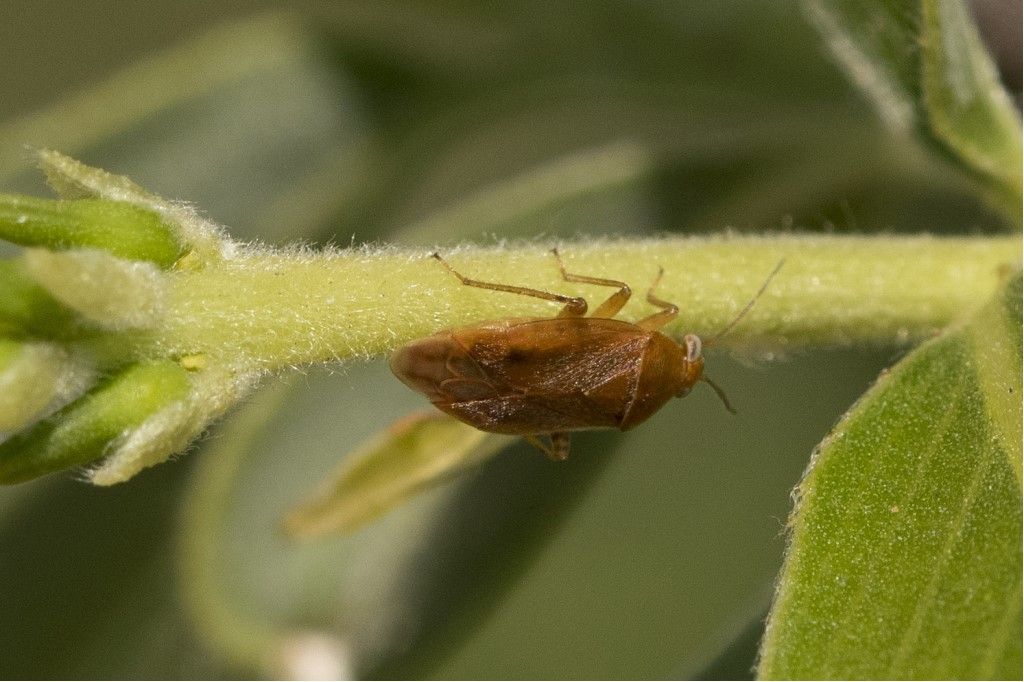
[[271, 309]]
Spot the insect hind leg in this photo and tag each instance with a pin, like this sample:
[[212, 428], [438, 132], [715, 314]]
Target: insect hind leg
[[613, 304], [573, 306], [558, 451]]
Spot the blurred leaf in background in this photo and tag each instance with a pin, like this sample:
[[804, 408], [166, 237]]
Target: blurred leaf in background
[[646, 555]]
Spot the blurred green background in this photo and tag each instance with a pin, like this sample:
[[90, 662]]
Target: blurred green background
[[646, 555]]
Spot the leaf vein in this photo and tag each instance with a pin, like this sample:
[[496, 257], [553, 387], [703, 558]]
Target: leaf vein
[[1010, 618], [927, 598], [876, 559]]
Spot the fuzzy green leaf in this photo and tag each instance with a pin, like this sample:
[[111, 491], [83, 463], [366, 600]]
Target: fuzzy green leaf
[[82, 431], [926, 69], [905, 556], [125, 230]]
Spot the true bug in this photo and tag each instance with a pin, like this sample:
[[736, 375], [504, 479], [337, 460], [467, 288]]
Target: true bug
[[536, 377]]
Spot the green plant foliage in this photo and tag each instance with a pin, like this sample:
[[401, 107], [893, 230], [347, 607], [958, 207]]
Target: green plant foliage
[[925, 67], [9, 352], [231, 311], [905, 557], [429, 126]]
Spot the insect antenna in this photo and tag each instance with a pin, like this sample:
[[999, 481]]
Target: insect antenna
[[721, 394], [746, 309]]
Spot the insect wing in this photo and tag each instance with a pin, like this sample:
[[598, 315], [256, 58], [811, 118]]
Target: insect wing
[[546, 375], [553, 356]]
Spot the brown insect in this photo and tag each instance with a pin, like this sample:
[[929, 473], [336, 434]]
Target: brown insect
[[536, 377]]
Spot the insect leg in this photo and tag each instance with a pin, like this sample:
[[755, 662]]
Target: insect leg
[[558, 451], [614, 303], [668, 311], [560, 444], [574, 306], [540, 445]]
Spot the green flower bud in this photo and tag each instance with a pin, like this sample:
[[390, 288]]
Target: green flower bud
[[125, 230], [27, 309], [33, 378], [84, 430], [86, 279]]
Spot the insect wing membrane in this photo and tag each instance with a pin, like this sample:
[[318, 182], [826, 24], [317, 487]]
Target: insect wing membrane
[[423, 365]]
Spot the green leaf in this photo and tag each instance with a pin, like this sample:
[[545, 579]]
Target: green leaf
[[905, 556], [406, 458], [925, 67], [125, 230], [82, 431]]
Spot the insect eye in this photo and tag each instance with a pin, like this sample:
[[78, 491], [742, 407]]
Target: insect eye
[[693, 347]]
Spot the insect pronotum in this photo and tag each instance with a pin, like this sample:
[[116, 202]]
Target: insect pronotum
[[549, 376]]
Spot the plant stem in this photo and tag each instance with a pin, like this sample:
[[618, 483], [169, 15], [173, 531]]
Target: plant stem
[[274, 309]]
